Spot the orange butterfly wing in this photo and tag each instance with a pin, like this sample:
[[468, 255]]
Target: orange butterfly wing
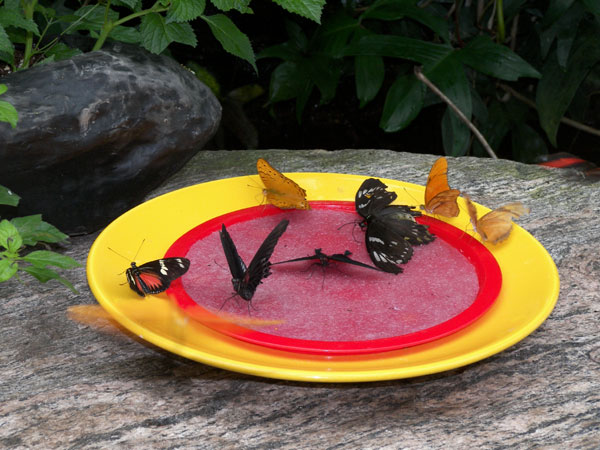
[[280, 190], [439, 198], [496, 225]]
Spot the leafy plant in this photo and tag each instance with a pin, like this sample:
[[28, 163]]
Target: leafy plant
[[513, 67], [8, 113], [21, 232], [38, 25]]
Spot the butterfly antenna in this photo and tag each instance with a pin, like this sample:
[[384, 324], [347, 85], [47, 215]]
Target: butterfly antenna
[[227, 299], [342, 226], [215, 261], [116, 252], [411, 196], [139, 248]]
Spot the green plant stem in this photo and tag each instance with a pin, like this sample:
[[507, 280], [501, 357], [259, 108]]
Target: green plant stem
[[419, 74], [500, 18], [28, 9], [109, 26], [565, 120]]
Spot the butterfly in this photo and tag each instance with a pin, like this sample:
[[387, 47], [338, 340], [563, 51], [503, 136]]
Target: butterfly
[[156, 276], [324, 260], [279, 189], [391, 229], [495, 226], [245, 280], [439, 198]]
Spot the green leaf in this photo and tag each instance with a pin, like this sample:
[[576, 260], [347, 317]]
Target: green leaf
[[43, 275], [527, 144], [403, 103], [449, 76], [92, 17], [311, 9], [557, 86], [288, 81], [185, 10], [182, 33], [332, 37], [128, 35], [6, 46], [564, 31], [494, 129], [154, 34], [8, 113], [369, 72], [239, 5], [157, 34], [297, 37], [42, 258], [8, 197], [556, 9], [399, 9], [426, 53], [62, 51], [495, 60], [285, 51], [131, 4], [8, 268], [33, 230], [10, 238], [592, 6], [13, 18], [231, 38], [324, 73]]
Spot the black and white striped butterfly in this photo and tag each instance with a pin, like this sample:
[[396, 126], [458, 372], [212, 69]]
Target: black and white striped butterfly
[[391, 229], [245, 280], [324, 260], [156, 276]]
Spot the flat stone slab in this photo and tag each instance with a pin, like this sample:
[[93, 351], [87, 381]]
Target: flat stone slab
[[69, 385]]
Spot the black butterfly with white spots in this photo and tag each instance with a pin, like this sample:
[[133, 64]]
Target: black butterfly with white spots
[[391, 229], [245, 280], [156, 276], [324, 260]]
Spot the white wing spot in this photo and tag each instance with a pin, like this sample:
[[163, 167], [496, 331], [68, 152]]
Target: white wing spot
[[163, 268]]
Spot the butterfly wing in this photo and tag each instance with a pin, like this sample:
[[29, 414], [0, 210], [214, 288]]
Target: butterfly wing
[[345, 258], [385, 249], [156, 276], [495, 226], [316, 256], [235, 262], [372, 196], [400, 223], [259, 267], [280, 190], [439, 198]]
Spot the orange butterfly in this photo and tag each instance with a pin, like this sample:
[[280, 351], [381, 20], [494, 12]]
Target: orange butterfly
[[280, 190], [439, 198], [496, 225]]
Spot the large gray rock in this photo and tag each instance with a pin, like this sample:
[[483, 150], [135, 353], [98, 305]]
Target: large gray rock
[[97, 132]]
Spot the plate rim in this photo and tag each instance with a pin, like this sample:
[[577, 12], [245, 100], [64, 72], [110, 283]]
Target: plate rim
[[488, 273]]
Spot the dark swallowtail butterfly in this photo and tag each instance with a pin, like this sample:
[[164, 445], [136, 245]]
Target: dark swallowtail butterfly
[[245, 280], [324, 260], [155, 276], [391, 229]]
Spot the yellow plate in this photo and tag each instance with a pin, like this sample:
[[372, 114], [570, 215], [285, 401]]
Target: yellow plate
[[529, 290]]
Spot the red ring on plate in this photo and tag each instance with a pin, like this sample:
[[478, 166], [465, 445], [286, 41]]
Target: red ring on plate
[[486, 267]]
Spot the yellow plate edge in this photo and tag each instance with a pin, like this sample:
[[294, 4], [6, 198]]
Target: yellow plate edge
[[314, 183]]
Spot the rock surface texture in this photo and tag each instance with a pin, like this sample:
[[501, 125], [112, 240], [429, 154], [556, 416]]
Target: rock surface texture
[[97, 132], [66, 384]]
